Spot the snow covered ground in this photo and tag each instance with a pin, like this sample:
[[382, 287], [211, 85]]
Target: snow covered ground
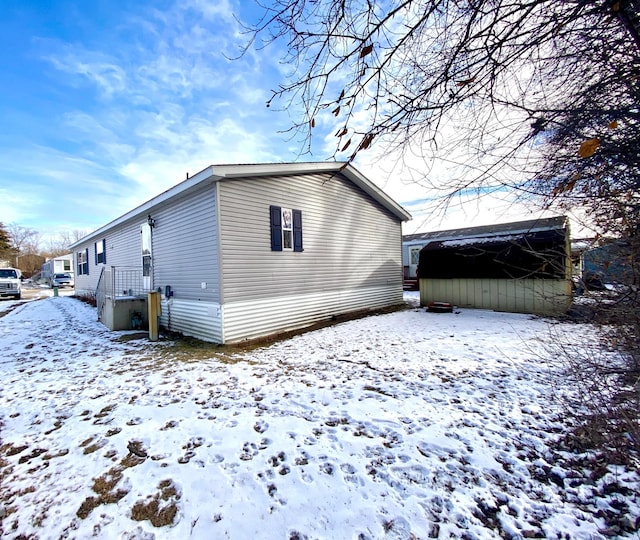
[[400, 426]]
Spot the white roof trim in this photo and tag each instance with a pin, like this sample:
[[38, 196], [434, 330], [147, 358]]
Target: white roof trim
[[269, 169], [219, 172]]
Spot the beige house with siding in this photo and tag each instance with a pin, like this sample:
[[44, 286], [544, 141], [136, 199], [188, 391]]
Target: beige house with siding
[[240, 252]]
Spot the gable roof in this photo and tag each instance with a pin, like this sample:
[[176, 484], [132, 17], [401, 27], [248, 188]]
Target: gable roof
[[489, 232], [214, 173]]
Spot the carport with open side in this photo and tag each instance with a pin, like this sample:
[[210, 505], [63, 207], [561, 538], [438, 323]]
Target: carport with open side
[[522, 267]]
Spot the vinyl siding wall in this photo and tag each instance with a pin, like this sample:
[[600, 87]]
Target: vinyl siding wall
[[122, 250], [352, 256], [185, 256]]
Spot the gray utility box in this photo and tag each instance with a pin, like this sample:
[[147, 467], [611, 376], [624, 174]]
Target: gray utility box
[[125, 313]]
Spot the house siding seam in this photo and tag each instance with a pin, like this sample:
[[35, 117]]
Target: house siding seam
[[220, 318]]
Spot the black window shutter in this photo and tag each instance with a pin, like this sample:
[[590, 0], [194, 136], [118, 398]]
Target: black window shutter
[[276, 228], [87, 260], [104, 251], [95, 252], [297, 230]]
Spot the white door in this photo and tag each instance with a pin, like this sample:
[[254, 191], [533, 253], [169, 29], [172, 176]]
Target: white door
[[414, 259], [147, 257]]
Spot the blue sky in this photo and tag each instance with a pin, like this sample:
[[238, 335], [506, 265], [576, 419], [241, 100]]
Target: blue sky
[[109, 102], [105, 104]]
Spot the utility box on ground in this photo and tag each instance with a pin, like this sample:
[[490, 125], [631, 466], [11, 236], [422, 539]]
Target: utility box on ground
[[126, 313]]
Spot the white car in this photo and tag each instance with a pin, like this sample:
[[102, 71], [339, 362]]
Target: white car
[[10, 283], [62, 280]]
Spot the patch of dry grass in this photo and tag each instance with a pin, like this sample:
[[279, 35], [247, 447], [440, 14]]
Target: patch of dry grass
[[104, 487], [160, 508], [9, 449]]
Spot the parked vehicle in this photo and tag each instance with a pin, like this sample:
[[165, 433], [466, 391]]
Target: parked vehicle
[[57, 265], [10, 283], [62, 280]]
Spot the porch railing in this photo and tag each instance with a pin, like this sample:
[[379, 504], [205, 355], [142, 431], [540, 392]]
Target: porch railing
[[119, 282]]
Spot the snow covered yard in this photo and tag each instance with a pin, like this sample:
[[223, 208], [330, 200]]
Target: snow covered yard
[[401, 426]]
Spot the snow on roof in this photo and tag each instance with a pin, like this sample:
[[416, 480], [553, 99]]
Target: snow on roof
[[485, 232], [481, 240]]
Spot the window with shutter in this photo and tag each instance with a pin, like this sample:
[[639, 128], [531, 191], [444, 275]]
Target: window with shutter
[[276, 228], [286, 229], [297, 230], [83, 262]]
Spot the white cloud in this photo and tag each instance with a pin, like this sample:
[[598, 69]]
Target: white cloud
[[98, 68], [212, 10], [170, 102], [16, 206], [198, 144]]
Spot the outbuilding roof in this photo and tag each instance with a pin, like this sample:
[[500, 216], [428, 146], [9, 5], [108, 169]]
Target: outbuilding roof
[[214, 173], [535, 249], [486, 233]]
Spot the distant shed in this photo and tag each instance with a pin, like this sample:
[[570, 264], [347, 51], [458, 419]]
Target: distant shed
[[522, 267]]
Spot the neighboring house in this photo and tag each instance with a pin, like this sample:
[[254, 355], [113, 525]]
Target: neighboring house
[[522, 267], [245, 251], [608, 263], [56, 265]]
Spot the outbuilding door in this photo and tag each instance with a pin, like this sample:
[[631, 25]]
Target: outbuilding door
[[414, 258]]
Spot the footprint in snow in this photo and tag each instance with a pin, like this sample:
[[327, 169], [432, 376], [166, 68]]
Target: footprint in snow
[[397, 529], [249, 451], [277, 459], [186, 457], [193, 442], [347, 468], [264, 443], [260, 426], [302, 459], [327, 468], [306, 477]]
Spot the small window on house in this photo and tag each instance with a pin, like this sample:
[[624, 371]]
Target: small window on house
[[83, 262], [286, 229], [66, 264], [101, 252]]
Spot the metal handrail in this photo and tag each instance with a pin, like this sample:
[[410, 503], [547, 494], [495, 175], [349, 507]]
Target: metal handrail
[[117, 282], [100, 294]]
